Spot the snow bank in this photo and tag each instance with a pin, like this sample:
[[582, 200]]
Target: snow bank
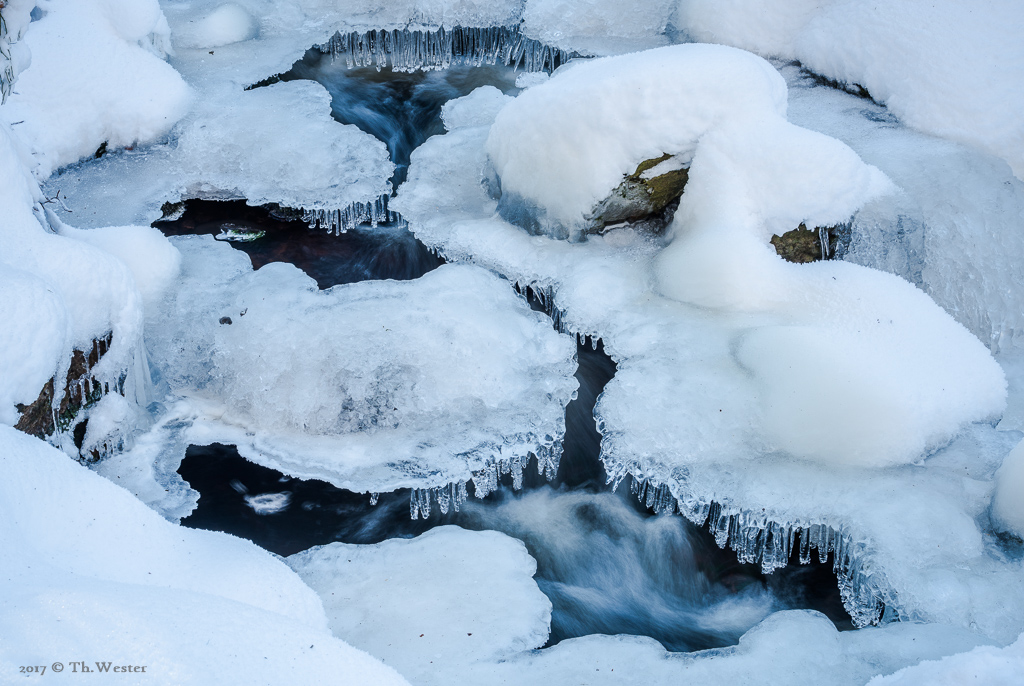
[[95, 79], [14, 56], [945, 68], [90, 570], [354, 384], [448, 597]]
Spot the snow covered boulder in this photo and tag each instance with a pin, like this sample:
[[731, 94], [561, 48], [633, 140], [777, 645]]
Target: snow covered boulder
[[563, 148]]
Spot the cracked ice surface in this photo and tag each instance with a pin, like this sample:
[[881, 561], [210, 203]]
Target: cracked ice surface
[[793, 408], [355, 385]]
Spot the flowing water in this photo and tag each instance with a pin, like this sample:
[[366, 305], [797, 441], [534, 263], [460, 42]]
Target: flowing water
[[607, 564]]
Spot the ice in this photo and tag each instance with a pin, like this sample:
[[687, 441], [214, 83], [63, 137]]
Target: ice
[[951, 230], [91, 571], [732, 409], [410, 50], [479, 108], [430, 605], [983, 665], [597, 26], [1008, 501], [94, 80], [269, 503], [268, 145], [354, 385], [943, 68]]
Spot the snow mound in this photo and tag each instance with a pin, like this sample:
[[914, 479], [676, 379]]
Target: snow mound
[[90, 570], [228, 23], [562, 146], [95, 79], [922, 59], [355, 384], [479, 108], [448, 597]]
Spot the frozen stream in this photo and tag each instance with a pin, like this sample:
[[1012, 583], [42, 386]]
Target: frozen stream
[[607, 564]]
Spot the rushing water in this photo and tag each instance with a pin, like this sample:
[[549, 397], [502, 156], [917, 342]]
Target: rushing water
[[401, 109], [607, 564]]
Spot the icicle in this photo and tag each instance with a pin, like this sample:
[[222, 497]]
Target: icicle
[[373, 499], [426, 50]]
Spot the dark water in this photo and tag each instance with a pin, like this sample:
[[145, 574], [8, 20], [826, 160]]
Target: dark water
[[607, 564], [382, 252], [399, 108]]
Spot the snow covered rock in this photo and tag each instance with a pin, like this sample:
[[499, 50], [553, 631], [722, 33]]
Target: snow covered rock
[[96, 77], [448, 597]]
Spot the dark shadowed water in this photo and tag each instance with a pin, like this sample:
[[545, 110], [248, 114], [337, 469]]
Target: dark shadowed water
[[399, 108]]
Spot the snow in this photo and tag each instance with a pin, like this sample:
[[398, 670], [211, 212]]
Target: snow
[[562, 146], [983, 665], [952, 228], [90, 571], [596, 26], [479, 108], [944, 68], [353, 385], [101, 85], [228, 23], [447, 598]]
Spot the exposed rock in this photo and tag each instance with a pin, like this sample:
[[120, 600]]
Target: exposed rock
[[648, 191], [802, 245], [80, 391]]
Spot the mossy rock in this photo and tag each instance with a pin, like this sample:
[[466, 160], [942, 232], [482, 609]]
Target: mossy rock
[[803, 245], [640, 195]]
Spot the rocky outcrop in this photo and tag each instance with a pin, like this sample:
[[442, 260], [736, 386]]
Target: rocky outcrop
[[79, 391], [647, 192], [802, 245]]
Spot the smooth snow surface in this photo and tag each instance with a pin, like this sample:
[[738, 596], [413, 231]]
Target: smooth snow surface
[[354, 384], [228, 23], [947, 68], [983, 665], [448, 597], [89, 570]]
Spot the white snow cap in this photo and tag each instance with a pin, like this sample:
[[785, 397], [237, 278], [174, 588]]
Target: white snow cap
[[565, 144], [228, 23], [95, 78]]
